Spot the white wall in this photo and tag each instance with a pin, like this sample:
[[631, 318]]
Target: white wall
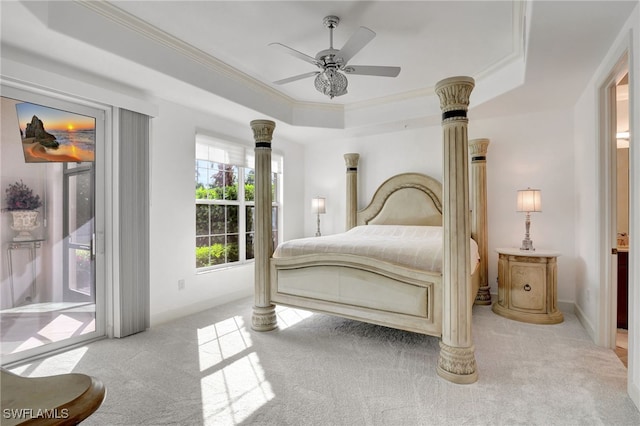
[[589, 213], [587, 209], [381, 156], [172, 212], [172, 221], [533, 150]]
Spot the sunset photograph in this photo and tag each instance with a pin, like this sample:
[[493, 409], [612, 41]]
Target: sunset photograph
[[53, 135]]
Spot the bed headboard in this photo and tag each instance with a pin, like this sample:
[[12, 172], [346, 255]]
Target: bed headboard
[[405, 199]]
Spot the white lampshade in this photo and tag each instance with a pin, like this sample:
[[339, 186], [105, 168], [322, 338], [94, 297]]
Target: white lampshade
[[318, 205], [529, 200]]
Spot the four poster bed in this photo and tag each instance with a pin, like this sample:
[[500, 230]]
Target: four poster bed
[[407, 260], [387, 270]]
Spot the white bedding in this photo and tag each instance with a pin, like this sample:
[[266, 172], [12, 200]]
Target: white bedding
[[415, 247]]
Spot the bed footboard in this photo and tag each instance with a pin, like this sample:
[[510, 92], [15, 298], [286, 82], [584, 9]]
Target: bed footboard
[[359, 288]]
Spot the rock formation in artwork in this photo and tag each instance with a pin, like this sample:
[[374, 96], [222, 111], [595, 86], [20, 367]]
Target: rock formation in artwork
[[36, 130]]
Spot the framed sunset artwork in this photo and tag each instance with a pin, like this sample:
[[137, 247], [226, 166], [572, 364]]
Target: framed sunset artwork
[[54, 135]]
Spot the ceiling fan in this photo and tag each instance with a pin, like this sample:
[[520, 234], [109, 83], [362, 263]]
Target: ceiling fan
[[330, 80]]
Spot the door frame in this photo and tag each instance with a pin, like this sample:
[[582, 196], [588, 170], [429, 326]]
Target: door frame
[[102, 165], [608, 196], [624, 50]]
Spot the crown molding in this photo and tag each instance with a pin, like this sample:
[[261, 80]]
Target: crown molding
[[518, 39], [301, 111], [156, 35], [133, 23]]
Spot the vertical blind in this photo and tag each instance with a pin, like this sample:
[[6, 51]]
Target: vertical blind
[[133, 192]]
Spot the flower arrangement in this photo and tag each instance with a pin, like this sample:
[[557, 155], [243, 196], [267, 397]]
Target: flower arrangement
[[21, 197]]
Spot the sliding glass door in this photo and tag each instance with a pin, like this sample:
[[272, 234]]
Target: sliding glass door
[[53, 281]]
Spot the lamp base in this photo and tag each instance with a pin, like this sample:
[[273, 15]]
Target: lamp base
[[318, 229], [527, 245]]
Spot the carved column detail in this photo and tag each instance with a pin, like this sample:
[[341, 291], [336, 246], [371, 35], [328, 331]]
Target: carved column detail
[[457, 356], [351, 161], [264, 314], [478, 151]]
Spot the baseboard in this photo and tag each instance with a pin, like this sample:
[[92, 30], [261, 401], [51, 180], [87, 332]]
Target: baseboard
[[588, 326], [633, 390], [568, 307], [200, 306]]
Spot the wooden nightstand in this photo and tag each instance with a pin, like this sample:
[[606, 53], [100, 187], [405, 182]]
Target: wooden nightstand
[[527, 286]]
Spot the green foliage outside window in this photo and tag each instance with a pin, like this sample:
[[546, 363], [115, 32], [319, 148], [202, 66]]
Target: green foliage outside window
[[218, 207], [225, 193], [216, 254]]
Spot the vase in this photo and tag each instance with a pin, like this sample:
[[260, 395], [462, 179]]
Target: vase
[[24, 221]]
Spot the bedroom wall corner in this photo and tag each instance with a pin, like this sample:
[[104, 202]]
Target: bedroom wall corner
[[531, 150], [586, 217], [172, 212]]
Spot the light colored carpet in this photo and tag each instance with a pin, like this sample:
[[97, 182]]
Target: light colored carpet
[[211, 368]]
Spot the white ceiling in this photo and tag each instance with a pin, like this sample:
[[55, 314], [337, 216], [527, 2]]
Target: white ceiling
[[417, 36], [213, 55]]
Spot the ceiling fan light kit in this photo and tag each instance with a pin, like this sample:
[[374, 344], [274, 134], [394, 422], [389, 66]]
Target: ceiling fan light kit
[[330, 80], [331, 83]]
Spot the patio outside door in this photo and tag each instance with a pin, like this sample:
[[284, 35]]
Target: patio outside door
[[79, 233]]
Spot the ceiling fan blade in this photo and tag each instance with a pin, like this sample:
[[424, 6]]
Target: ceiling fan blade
[[294, 52], [372, 70], [358, 40], [297, 77]]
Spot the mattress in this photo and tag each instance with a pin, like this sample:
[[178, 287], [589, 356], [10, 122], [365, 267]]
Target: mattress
[[415, 247]]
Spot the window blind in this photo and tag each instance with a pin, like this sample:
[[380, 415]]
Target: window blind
[[220, 151]]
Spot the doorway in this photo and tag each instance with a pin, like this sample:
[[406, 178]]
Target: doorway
[[53, 293], [614, 101], [621, 171]]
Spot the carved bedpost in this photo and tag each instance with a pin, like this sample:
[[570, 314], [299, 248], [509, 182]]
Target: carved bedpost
[[352, 189], [457, 361], [478, 151], [264, 312]]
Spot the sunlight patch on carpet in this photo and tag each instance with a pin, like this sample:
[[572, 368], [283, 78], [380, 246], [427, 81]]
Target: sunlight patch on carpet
[[234, 385], [221, 341], [290, 316]]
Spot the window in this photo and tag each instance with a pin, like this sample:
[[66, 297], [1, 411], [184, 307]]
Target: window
[[225, 208]]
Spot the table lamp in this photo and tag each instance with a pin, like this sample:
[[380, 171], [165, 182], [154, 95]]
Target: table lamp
[[318, 207], [529, 200]]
